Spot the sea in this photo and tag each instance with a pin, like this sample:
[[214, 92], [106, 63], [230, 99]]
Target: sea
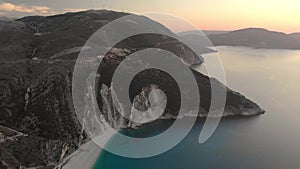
[[269, 77]]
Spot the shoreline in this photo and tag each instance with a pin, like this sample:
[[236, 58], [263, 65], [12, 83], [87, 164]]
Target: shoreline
[[84, 158]]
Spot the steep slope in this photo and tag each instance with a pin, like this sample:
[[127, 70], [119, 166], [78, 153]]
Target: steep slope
[[16, 40], [37, 57]]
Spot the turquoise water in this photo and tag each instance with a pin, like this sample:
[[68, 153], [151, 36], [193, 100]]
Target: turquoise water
[[270, 141]]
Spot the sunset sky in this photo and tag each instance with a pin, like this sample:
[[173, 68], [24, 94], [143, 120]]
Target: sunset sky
[[278, 15]]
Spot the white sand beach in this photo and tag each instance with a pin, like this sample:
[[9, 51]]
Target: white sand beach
[[84, 158]]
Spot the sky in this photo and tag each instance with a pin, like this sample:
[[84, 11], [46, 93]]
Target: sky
[[277, 15]]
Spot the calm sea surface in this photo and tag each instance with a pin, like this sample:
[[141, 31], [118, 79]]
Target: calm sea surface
[[271, 141]]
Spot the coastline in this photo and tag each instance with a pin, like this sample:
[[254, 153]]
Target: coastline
[[84, 158]]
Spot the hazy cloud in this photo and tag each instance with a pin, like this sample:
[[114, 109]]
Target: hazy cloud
[[9, 7], [22, 9]]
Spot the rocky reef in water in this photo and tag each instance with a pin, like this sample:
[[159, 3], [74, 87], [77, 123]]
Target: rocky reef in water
[[38, 123]]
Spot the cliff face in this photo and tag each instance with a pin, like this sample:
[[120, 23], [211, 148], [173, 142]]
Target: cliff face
[[147, 81], [37, 56]]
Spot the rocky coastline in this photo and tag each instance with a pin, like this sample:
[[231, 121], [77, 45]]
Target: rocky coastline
[[38, 123]]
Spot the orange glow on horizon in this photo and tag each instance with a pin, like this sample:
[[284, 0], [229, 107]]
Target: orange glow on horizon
[[277, 15]]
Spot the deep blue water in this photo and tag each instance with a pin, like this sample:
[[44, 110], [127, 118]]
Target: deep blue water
[[271, 141]]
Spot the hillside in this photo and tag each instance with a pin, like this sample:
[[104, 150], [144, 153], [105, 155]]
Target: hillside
[[295, 36], [37, 57], [256, 38]]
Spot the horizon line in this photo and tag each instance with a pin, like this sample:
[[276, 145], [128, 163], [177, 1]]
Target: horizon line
[[114, 10]]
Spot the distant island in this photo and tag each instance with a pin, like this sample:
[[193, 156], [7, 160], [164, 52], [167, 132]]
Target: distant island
[[252, 37]]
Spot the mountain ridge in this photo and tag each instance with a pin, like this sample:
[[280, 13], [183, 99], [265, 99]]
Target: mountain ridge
[[249, 37], [37, 57], [256, 38]]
